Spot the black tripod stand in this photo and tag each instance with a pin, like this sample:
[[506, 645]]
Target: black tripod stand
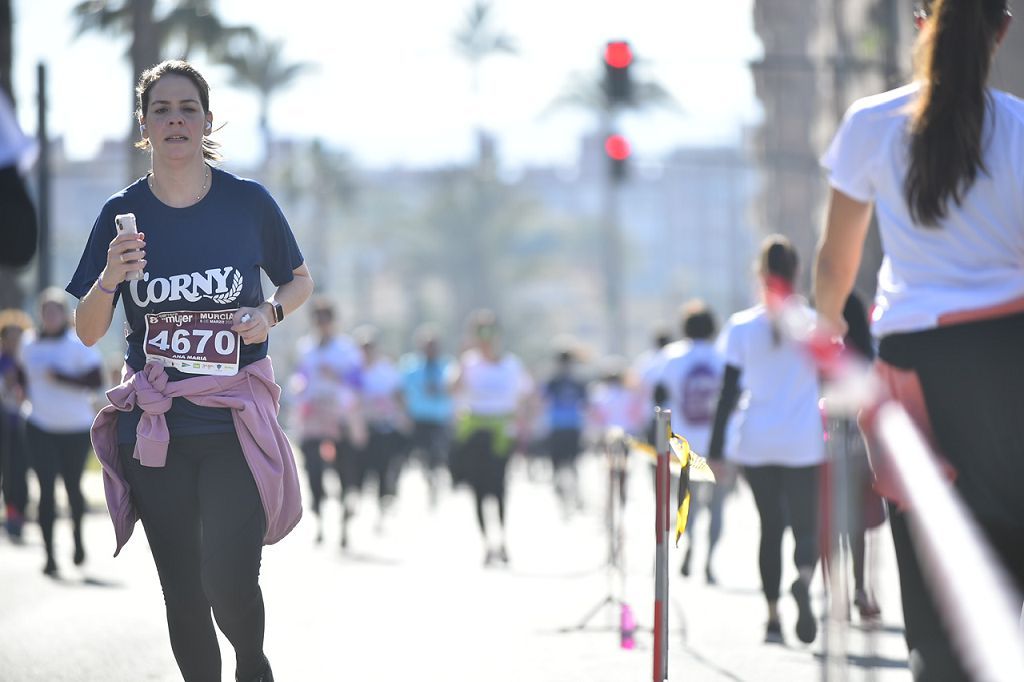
[[616, 448]]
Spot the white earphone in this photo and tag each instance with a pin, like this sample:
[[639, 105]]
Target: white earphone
[[142, 128]]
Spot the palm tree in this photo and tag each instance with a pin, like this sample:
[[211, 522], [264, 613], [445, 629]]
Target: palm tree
[[192, 21], [193, 24], [261, 67], [133, 17], [589, 91], [476, 40]]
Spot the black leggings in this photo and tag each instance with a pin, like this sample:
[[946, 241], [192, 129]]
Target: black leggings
[[383, 456], [64, 454], [13, 462], [972, 379], [316, 466], [205, 524], [487, 467], [784, 496]]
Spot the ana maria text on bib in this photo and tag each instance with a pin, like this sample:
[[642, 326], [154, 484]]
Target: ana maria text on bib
[[193, 342]]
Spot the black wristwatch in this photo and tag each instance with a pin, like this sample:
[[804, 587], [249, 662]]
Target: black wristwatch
[[278, 311]]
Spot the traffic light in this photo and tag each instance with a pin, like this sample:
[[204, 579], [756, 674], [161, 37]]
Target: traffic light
[[618, 85], [616, 148]]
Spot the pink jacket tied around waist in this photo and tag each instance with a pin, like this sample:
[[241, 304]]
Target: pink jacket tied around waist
[[253, 397]]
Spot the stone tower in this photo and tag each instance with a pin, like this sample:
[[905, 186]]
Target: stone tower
[[787, 81], [819, 56]]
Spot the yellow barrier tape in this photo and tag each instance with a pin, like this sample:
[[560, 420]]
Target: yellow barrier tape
[[692, 467]]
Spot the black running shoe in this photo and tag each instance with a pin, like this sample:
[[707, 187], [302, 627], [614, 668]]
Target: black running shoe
[[709, 575], [684, 570], [806, 626], [773, 633]]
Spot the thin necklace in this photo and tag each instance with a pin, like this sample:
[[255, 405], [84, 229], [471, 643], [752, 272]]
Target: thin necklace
[[206, 180]]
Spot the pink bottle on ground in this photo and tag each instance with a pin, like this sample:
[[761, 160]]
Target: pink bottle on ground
[[627, 627]]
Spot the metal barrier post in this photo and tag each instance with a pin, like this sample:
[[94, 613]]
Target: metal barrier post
[[663, 425], [835, 559]]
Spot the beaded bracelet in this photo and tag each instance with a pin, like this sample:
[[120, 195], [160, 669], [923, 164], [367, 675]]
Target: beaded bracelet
[[99, 285]]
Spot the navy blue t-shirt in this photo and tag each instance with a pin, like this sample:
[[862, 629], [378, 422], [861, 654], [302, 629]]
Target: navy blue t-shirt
[[204, 257], [567, 399]]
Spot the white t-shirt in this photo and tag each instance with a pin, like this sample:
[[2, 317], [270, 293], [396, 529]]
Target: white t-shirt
[[692, 377], [647, 370], [493, 388], [323, 384], [780, 423], [55, 406], [974, 258], [336, 360], [614, 405], [381, 383]]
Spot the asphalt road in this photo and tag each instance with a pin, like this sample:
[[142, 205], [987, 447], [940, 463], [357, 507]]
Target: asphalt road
[[413, 600]]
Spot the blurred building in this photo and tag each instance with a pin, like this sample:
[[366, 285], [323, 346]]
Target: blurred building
[[819, 56], [685, 221], [788, 80]]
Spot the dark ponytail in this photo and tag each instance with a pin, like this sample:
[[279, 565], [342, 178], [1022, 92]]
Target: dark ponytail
[[953, 59], [778, 260], [778, 265]]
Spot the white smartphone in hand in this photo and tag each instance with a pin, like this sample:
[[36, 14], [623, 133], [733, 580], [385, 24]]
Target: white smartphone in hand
[[125, 223]]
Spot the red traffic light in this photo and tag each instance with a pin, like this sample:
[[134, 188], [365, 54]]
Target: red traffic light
[[617, 147], [618, 55]]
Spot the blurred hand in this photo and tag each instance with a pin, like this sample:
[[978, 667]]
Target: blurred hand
[[125, 255], [828, 327]]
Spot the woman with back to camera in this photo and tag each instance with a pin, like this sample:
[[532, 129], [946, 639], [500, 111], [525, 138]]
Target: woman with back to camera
[[941, 160], [190, 443], [781, 442]]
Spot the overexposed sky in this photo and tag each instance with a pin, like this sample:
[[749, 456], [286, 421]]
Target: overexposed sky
[[390, 89]]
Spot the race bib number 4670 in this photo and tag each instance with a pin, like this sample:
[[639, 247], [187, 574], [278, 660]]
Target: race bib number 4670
[[193, 342]]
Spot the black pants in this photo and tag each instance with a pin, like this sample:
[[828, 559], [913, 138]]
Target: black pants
[[13, 462], [316, 466], [53, 454], [432, 441], [564, 446], [784, 496], [972, 378], [205, 524], [383, 457], [486, 466]]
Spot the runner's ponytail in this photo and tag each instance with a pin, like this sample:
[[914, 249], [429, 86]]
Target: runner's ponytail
[[953, 60], [778, 266]]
